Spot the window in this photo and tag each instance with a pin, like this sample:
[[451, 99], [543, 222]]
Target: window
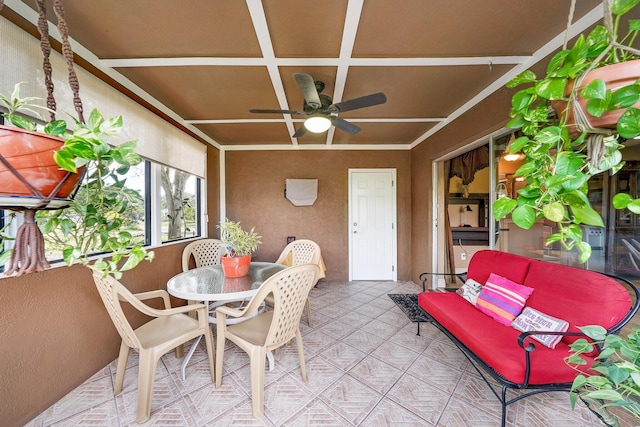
[[180, 201]]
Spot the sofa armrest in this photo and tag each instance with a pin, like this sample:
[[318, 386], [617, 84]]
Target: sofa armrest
[[529, 346], [424, 276]]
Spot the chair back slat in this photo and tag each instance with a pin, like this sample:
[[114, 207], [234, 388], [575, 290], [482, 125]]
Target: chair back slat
[[110, 291], [204, 252], [290, 289]]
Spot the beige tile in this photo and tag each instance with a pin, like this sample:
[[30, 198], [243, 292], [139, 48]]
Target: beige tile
[[102, 415], [285, 397], [436, 374], [424, 400], [388, 413], [316, 413], [351, 399], [89, 395], [394, 355], [375, 373], [342, 355], [364, 341], [209, 402]]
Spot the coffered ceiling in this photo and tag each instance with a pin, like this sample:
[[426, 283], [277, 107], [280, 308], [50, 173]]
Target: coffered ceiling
[[203, 64]]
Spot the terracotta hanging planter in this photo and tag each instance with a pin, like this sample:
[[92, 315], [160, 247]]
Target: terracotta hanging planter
[[237, 266], [615, 76], [36, 180]]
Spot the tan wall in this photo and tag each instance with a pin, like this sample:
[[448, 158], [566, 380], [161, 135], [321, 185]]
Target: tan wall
[[255, 197], [56, 333]]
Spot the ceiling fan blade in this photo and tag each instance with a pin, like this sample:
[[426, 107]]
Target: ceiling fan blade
[[308, 87], [344, 125], [300, 132], [363, 101], [253, 110]]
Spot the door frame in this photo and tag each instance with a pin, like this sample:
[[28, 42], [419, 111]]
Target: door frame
[[394, 234]]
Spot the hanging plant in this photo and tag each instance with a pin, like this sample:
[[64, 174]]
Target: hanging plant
[[90, 224], [564, 150]]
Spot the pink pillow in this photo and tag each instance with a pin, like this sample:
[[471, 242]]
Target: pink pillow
[[502, 299]]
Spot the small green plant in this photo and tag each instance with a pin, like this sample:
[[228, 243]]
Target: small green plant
[[238, 241], [559, 162], [616, 381]]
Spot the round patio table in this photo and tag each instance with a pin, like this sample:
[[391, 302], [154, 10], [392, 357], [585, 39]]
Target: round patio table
[[210, 285]]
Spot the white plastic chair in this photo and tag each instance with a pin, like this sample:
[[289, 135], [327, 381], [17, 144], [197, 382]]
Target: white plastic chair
[[204, 252], [265, 332], [169, 329], [301, 252]]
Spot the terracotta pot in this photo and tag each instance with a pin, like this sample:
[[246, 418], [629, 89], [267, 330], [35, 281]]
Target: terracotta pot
[[615, 76], [31, 154], [237, 266]]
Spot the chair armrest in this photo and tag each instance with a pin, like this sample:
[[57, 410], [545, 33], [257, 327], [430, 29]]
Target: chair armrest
[[230, 311], [159, 293]]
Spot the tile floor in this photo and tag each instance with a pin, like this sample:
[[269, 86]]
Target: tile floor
[[365, 364]]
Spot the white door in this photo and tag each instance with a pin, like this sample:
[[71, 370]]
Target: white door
[[372, 224]]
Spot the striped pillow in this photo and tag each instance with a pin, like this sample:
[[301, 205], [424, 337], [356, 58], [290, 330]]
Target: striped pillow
[[502, 299]]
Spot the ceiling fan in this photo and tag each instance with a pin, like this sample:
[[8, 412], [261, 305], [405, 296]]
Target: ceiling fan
[[320, 109]]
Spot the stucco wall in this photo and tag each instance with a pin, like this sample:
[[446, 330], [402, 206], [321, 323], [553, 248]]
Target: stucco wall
[[255, 197], [56, 333]]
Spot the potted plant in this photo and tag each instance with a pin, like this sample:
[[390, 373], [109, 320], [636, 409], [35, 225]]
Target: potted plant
[[240, 245], [562, 155], [93, 221], [615, 378]]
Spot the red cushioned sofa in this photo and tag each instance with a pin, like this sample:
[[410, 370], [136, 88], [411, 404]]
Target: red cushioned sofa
[[516, 361]]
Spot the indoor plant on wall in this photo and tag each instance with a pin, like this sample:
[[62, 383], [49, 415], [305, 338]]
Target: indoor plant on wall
[[562, 155], [240, 245], [93, 221]]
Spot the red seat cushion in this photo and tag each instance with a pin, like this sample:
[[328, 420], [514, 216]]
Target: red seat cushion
[[496, 344]]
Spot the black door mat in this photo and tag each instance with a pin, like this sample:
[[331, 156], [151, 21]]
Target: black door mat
[[408, 303]]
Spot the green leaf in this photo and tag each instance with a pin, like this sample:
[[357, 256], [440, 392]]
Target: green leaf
[[621, 200], [634, 206], [524, 216], [65, 160], [22, 122], [549, 135], [597, 107], [516, 122], [626, 96], [620, 7], [503, 207], [95, 119], [521, 100], [551, 88], [629, 123], [587, 215], [596, 89], [595, 332], [568, 163], [524, 77], [56, 128], [553, 211], [518, 144], [557, 61]]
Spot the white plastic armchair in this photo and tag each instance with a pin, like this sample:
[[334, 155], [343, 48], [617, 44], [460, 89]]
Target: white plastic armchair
[[204, 252], [300, 252], [169, 329], [261, 333]]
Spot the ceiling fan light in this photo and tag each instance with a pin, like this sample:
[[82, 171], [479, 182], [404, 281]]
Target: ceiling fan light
[[317, 124]]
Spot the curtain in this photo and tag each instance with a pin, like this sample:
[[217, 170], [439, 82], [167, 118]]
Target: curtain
[[465, 165]]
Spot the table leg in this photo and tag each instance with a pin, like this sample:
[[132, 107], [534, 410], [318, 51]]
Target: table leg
[[183, 367]]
